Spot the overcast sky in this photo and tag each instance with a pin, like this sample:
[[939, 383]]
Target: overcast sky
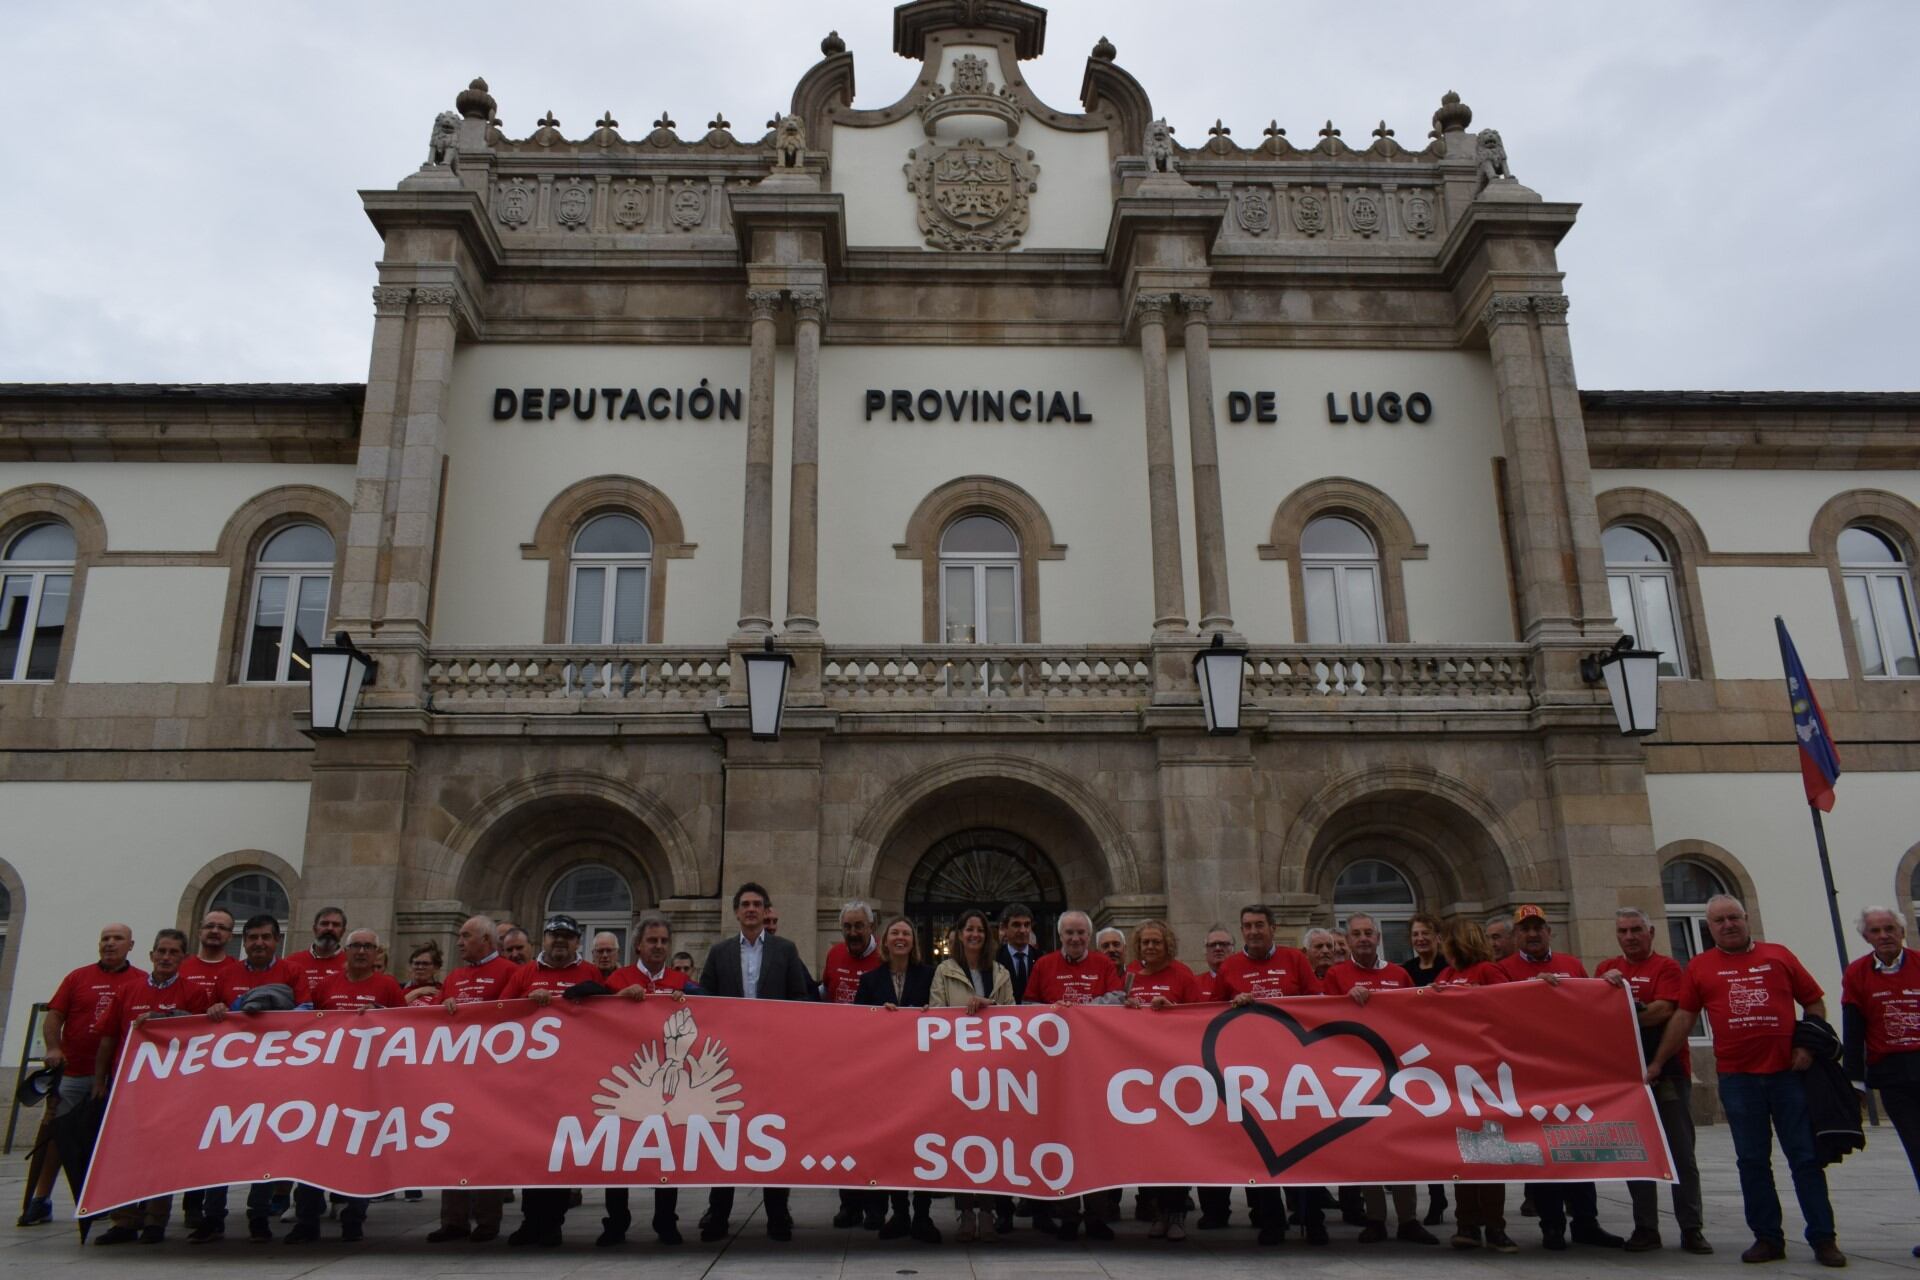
[[180, 178]]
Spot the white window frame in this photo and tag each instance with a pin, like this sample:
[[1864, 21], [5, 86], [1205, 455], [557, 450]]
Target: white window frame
[[1384, 914], [1694, 916], [979, 563], [297, 573], [591, 922], [1342, 567], [39, 571], [609, 564], [1634, 573], [1901, 572]]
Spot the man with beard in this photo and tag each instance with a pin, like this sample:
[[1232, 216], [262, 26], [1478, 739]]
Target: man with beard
[[324, 958], [848, 961]]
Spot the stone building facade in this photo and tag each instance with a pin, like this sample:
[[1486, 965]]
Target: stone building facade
[[990, 413]]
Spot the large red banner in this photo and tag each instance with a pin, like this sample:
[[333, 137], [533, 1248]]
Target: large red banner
[[1523, 1082]]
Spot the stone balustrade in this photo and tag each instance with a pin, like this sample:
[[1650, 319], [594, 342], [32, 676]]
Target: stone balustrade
[[488, 679], [1087, 673], [1382, 672]]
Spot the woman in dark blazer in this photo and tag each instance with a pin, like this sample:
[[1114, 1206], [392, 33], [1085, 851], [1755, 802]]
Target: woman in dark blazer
[[902, 982]]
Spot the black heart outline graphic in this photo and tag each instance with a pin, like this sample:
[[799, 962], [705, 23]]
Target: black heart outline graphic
[[1279, 1163]]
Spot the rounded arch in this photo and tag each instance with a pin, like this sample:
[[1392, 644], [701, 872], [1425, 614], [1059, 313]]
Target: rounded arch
[[572, 507], [1906, 879], [15, 922], [987, 496], [1730, 869], [1370, 508], [207, 880], [247, 531], [34, 503], [1884, 512], [521, 838], [1456, 848], [1675, 528], [1047, 806]]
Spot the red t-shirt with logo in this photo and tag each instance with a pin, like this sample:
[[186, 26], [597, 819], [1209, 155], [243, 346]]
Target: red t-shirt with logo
[[1056, 979], [1176, 982], [1485, 973], [842, 973], [636, 975], [1286, 972], [1208, 984], [1518, 967], [1347, 975], [205, 976], [483, 981], [1749, 998], [1890, 1002], [84, 997], [243, 979], [1657, 977], [137, 998], [538, 977], [375, 991], [314, 969]]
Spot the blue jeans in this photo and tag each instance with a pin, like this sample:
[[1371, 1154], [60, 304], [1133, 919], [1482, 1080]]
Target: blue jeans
[[1777, 1102]]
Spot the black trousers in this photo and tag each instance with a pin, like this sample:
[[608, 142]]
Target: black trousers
[[720, 1203], [666, 1205], [1903, 1108], [545, 1208], [1559, 1201]]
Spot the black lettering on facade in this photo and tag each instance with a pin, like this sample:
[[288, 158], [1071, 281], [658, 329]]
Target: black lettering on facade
[[1239, 406], [1263, 407], [1389, 406], [1419, 408], [1333, 409], [1015, 403], [530, 402], [505, 404]]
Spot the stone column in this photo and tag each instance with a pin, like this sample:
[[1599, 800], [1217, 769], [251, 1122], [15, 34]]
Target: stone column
[[1163, 499], [1209, 523], [772, 835], [756, 542], [803, 515], [379, 423], [1576, 468], [414, 505], [1537, 513]]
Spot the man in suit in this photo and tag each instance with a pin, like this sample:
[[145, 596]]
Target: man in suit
[[753, 965], [1017, 951]]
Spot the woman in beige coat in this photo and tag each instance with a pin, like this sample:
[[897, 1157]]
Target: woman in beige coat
[[969, 979]]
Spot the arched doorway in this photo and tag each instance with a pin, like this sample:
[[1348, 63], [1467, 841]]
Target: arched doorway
[[986, 868], [1375, 887], [600, 898]]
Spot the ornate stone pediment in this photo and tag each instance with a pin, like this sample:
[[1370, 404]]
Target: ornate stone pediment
[[972, 196]]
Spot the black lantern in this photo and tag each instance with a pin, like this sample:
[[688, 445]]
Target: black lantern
[[1220, 669], [340, 671], [767, 673], [1632, 677]]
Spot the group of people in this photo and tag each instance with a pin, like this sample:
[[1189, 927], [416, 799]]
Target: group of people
[[1747, 989]]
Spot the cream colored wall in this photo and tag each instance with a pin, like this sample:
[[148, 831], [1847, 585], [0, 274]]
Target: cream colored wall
[[1089, 478], [502, 475], [1440, 473], [1762, 820], [1741, 603], [1070, 210], [172, 506], [91, 853], [1749, 510], [149, 625]]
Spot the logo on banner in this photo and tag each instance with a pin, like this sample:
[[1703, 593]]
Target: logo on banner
[[1601, 1143], [666, 1079]]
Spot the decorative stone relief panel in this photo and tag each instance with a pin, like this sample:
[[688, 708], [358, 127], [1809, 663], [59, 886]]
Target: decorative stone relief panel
[[513, 203], [1365, 215], [1310, 212], [573, 205], [972, 196], [631, 203]]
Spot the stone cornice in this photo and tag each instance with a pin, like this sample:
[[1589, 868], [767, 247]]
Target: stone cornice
[[184, 424], [1628, 430]]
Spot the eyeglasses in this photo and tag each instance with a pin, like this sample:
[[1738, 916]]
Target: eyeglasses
[[361, 946]]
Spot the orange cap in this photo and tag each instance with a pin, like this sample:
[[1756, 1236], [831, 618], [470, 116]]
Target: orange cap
[[1528, 912]]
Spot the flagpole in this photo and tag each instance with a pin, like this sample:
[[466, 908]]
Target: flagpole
[[1833, 894]]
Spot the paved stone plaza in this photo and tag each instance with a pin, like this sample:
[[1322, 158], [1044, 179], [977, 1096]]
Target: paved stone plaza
[[1873, 1195]]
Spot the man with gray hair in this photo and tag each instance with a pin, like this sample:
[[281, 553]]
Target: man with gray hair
[[1318, 944], [1655, 982], [1112, 943], [1075, 974], [604, 951], [482, 975], [1880, 1007], [1500, 937], [651, 972], [848, 960]]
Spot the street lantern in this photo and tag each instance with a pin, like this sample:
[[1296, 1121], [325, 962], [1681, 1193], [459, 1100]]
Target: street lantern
[[1632, 677], [767, 673], [340, 671], [1220, 669]]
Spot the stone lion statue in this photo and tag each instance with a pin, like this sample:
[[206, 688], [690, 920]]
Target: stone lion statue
[[790, 143], [440, 148], [1492, 154], [1159, 147]]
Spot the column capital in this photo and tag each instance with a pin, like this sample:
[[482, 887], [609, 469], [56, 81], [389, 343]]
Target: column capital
[[1196, 305], [808, 304], [1151, 308], [391, 299], [1551, 307], [1505, 308], [764, 304]]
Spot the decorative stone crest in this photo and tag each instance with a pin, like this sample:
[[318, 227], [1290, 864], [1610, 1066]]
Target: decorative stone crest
[[1491, 154], [1417, 215], [1309, 214], [1158, 147], [440, 146], [972, 196], [688, 208], [630, 205], [1363, 214], [573, 205], [514, 203], [1254, 210], [970, 93]]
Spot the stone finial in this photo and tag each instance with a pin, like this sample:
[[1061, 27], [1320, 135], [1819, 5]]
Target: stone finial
[[664, 122], [1273, 130], [474, 102], [1383, 133], [833, 44], [548, 121], [1453, 115], [1104, 51], [606, 121], [719, 121], [1219, 130], [1328, 131]]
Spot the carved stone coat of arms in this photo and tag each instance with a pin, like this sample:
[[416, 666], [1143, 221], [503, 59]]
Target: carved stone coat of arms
[[972, 196]]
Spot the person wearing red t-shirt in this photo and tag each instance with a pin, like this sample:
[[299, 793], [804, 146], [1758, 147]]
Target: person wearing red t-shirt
[[1655, 981], [1880, 1008], [1155, 979], [1216, 1203], [205, 969], [557, 969], [651, 971], [1479, 1209], [324, 958], [848, 961], [1075, 974], [482, 975], [1748, 990]]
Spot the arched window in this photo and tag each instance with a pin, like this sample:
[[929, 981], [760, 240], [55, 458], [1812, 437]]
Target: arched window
[[612, 563], [980, 582], [34, 594], [989, 869], [600, 899], [1686, 885], [251, 893], [1340, 574], [1374, 888], [1640, 580], [1879, 585], [292, 580]]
